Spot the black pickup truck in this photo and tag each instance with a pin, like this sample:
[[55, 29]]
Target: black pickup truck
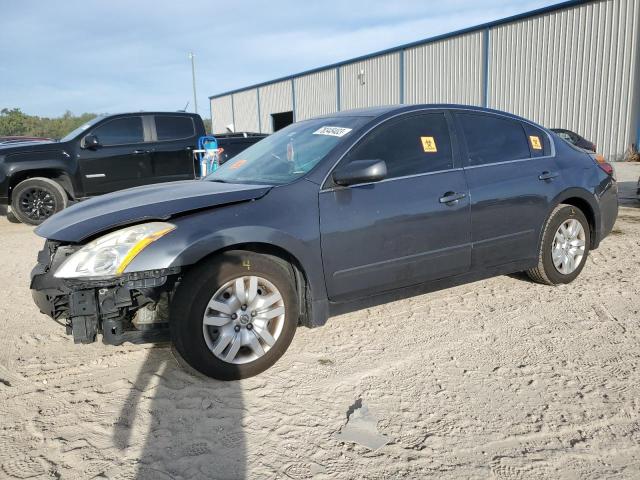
[[108, 153]]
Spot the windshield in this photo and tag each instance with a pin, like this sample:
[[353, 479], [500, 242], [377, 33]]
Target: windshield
[[74, 133], [289, 153]]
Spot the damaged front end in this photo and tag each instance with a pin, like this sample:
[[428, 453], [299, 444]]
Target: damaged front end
[[132, 307]]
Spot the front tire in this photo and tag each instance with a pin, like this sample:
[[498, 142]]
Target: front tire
[[564, 247], [35, 199], [234, 315]]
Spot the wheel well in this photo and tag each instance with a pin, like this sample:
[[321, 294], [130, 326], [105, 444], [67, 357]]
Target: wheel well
[[300, 276], [585, 208], [59, 176]]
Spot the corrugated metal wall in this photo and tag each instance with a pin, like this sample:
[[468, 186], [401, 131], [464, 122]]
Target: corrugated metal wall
[[446, 71], [572, 68], [221, 113], [245, 108], [577, 67], [274, 98], [316, 94], [371, 82]]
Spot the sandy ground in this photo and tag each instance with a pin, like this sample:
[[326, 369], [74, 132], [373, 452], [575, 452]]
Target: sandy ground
[[502, 378]]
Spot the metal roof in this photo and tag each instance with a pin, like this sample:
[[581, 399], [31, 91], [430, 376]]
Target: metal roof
[[520, 16]]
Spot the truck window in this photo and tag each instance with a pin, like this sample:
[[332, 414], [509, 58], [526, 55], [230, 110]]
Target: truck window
[[493, 139], [174, 127], [121, 131]]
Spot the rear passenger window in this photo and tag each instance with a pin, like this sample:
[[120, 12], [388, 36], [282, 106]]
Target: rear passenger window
[[409, 145], [174, 128], [121, 131], [538, 141], [492, 139]]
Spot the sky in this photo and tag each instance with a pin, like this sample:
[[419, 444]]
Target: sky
[[117, 56]]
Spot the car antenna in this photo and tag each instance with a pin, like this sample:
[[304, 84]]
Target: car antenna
[[185, 108]]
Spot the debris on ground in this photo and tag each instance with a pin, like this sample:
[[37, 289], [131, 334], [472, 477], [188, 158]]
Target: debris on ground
[[362, 428]]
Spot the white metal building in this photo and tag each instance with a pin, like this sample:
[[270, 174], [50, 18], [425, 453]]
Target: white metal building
[[573, 65]]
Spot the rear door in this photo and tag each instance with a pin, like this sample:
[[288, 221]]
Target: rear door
[[121, 161], [174, 139], [399, 231], [512, 175]]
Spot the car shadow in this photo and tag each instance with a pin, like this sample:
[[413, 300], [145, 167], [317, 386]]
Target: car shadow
[[177, 423]]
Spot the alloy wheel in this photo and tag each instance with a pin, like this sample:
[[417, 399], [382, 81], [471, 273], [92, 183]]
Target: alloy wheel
[[243, 319], [37, 203], [568, 246]]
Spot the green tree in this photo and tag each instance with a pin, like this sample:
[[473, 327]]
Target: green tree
[[15, 122]]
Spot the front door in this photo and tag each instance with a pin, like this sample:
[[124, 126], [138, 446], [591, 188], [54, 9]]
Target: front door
[[512, 177], [121, 161], [409, 228]]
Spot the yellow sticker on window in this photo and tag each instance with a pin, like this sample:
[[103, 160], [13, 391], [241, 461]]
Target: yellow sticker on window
[[428, 144], [535, 142], [238, 164]]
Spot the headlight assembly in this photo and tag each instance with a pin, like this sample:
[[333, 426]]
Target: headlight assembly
[[110, 254]]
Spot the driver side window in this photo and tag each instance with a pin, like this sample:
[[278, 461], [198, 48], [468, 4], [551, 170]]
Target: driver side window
[[409, 145], [121, 131]]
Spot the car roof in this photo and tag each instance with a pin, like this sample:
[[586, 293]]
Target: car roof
[[395, 109]]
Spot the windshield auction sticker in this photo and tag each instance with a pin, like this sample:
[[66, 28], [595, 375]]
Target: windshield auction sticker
[[332, 131]]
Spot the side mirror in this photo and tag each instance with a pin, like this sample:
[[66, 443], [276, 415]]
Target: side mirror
[[91, 142], [360, 171]]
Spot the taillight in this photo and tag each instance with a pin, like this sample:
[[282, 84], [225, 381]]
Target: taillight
[[607, 168], [602, 163]]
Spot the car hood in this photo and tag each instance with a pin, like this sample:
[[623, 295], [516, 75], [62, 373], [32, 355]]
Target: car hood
[[152, 202], [26, 146]]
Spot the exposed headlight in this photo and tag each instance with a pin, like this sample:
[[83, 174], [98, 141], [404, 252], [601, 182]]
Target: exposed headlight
[[110, 254]]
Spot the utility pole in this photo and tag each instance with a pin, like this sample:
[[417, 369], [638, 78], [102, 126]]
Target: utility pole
[[193, 77]]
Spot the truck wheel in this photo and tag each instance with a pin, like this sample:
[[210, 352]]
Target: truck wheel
[[233, 316], [564, 248], [11, 217], [35, 199]]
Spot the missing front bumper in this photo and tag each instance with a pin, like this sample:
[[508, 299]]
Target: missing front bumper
[[131, 308]]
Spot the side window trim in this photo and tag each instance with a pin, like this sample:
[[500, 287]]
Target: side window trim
[[107, 122], [328, 185], [457, 150]]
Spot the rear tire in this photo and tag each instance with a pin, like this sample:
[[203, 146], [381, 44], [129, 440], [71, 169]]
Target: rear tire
[[214, 283], [35, 199], [550, 271]]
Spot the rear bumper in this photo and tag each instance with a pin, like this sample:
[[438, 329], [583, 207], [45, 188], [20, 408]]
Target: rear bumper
[[109, 307], [608, 202]]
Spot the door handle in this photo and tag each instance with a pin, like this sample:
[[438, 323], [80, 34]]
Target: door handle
[[451, 198], [140, 152], [547, 176]]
